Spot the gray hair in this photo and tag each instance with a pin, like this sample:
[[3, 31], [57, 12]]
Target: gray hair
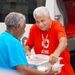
[[14, 18], [39, 11]]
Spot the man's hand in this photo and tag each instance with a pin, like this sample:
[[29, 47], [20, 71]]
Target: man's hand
[[53, 58], [28, 54]]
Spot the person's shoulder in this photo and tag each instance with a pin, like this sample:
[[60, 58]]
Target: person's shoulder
[[34, 27], [56, 24], [4, 35]]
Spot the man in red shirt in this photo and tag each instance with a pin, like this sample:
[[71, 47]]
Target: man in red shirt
[[48, 37]]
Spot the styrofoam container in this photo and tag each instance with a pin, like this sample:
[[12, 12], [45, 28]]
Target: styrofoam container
[[41, 63]]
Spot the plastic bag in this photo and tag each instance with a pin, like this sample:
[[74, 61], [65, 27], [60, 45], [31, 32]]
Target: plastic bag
[[41, 62]]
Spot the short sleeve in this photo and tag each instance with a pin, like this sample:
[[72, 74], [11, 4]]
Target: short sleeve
[[17, 54], [61, 31]]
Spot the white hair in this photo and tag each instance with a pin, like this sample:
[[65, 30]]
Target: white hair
[[14, 18], [39, 11]]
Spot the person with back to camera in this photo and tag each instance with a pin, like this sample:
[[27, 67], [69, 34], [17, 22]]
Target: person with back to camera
[[48, 37], [12, 53]]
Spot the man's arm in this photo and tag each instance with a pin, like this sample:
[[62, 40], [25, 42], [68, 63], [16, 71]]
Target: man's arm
[[61, 47], [24, 70]]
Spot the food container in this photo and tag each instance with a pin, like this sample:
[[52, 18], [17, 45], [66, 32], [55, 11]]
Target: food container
[[41, 63]]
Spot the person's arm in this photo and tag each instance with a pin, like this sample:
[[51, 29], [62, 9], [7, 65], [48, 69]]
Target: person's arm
[[61, 47], [24, 70]]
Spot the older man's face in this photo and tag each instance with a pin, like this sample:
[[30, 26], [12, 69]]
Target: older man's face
[[21, 30], [43, 22]]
